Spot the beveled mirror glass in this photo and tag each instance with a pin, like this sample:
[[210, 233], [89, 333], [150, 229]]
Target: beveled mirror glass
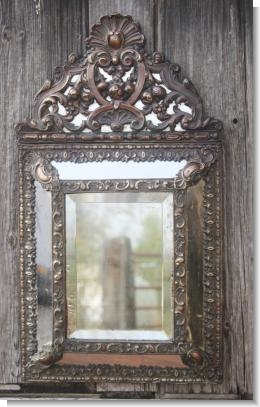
[[119, 264]]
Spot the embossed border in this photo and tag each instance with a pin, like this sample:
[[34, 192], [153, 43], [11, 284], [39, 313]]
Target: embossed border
[[178, 279], [204, 364]]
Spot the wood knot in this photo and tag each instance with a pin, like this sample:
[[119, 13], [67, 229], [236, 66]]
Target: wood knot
[[6, 34], [12, 240]]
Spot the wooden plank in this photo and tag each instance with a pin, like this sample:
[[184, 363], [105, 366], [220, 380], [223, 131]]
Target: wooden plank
[[212, 41], [169, 396], [126, 387], [31, 46], [12, 37], [141, 11]]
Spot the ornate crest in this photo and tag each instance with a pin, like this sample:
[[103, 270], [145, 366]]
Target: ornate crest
[[117, 88]]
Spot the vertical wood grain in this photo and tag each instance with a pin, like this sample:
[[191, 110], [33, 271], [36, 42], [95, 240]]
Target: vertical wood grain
[[142, 11], [212, 41], [12, 75], [31, 46]]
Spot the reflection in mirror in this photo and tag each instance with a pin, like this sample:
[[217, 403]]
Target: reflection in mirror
[[43, 234], [119, 264], [118, 169]]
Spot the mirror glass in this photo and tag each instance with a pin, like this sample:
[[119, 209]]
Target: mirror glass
[[118, 169], [43, 234], [119, 260]]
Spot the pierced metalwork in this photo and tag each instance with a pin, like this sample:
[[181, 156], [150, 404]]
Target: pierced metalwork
[[118, 104], [117, 86]]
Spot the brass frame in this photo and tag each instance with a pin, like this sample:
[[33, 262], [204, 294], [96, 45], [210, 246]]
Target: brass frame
[[52, 136]]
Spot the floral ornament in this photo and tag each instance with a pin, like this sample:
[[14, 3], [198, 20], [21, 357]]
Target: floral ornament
[[118, 86]]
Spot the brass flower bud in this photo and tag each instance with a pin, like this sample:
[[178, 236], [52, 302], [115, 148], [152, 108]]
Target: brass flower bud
[[73, 93], [129, 88], [115, 40], [159, 91], [147, 97], [116, 91], [102, 86], [87, 96]]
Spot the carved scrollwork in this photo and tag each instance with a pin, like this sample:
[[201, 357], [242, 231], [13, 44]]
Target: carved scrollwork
[[44, 358], [118, 185], [27, 264], [116, 85], [45, 173], [212, 277], [58, 268], [179, 293], [173, 347], [117, 373]]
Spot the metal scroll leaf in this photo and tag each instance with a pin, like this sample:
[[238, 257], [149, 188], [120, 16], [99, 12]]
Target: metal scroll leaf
[[180, 265], [45, 173], [189, 175], [118, 85], [45, 358], [116, 118], [118, 185]]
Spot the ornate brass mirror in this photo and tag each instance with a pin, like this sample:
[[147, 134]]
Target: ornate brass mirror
[[120, 220]]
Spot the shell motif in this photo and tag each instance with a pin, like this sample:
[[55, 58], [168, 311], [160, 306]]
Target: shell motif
[[115, 32]]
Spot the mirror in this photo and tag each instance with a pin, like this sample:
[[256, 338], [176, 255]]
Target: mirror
[[43, 232], [120, 258], [119, 265], [118, 169], [120, 221], [119, 253], [123, 262]]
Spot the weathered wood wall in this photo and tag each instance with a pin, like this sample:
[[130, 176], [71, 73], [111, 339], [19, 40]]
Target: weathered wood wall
[[212, 41]]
